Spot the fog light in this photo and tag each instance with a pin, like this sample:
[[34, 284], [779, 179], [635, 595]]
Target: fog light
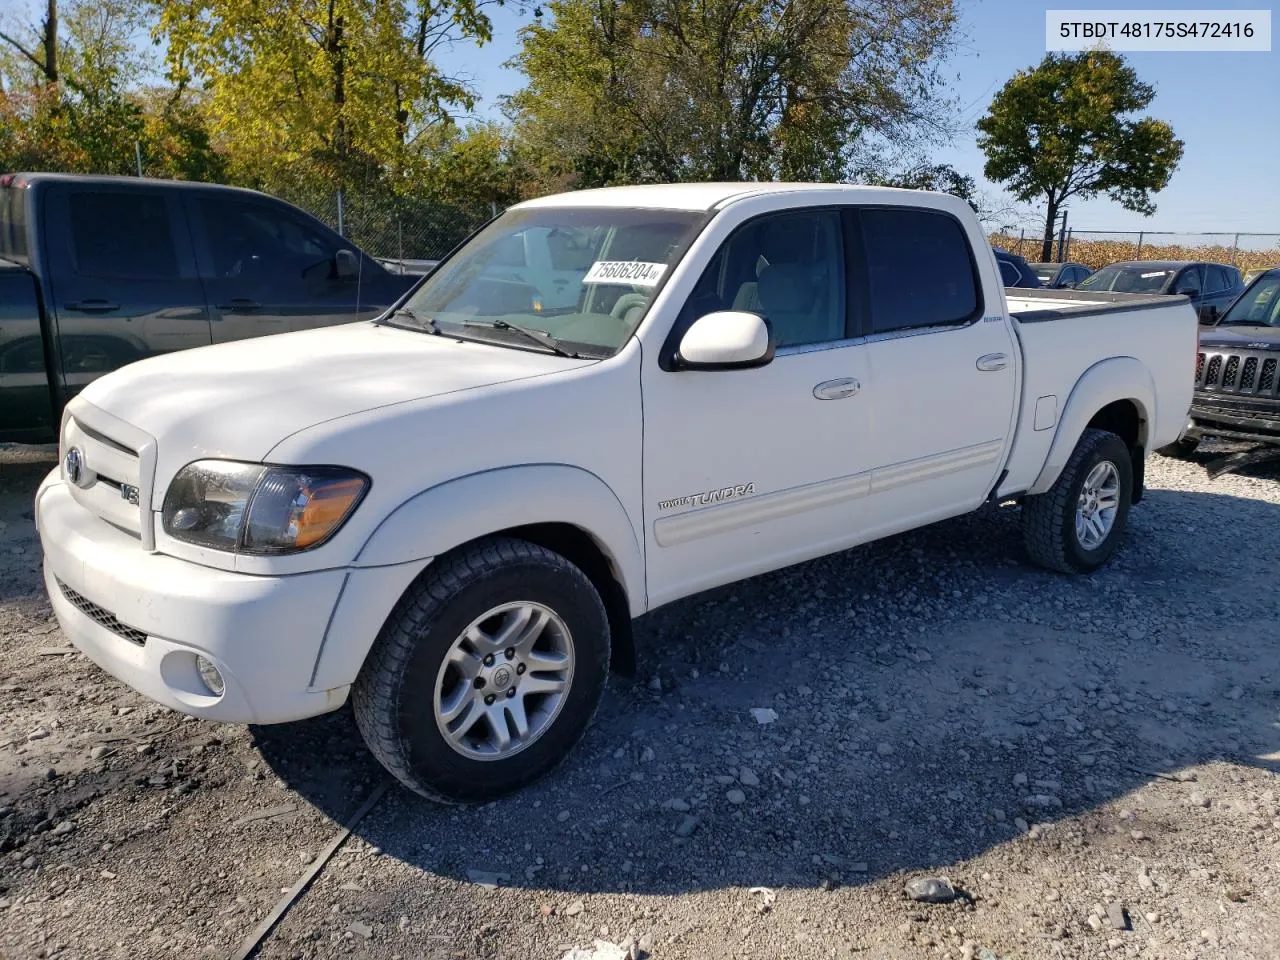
[[211, 677]]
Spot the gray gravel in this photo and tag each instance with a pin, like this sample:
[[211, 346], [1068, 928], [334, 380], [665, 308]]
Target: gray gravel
[[1090, 764]]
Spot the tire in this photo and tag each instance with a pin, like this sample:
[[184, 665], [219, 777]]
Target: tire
[[1049, 527], [404, 686], [1180, 449]]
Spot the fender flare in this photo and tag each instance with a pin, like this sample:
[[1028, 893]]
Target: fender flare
[[461, 510], [1116, 378]]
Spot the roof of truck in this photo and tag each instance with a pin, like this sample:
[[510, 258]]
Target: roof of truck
[[27, 179], [690, 196]]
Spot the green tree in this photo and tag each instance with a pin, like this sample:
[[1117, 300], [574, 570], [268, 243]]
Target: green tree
[[623, 91], [1064, 129], [343, 87]]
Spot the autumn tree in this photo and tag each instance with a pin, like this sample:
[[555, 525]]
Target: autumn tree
[[623, 91], [346, 87], [1066, 129]]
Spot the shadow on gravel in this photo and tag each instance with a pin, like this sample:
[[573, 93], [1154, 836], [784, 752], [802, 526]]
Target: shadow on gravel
[[931, 690], [21, 470]]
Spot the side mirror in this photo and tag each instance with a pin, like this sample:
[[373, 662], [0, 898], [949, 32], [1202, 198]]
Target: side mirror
[[726, 340], [1188, 290], [346, 265]]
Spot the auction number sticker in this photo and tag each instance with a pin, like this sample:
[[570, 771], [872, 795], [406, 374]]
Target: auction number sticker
[[1190, 30], [635, 272]]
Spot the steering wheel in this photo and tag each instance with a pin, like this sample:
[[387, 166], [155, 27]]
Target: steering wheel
[[625, 303]]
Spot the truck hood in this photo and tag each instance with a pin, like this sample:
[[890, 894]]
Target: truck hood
[[239, 400], [1242, 336]]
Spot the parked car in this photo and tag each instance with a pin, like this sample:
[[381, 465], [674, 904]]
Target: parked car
[[1257, 272], [451, 514], [1059, 275], [1014, 270], [97, 272], [1237, 384], [1210, 286]]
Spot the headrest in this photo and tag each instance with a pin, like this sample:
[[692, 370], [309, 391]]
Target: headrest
[[786, 288]]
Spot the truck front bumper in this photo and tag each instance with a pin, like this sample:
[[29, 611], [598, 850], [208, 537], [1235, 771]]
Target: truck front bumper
[[1237, 422], [145, 618]]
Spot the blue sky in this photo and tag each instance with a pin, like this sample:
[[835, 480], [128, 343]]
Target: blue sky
[[1222, 105]]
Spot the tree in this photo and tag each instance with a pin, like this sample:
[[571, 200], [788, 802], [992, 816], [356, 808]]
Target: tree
[[44, 52], [640, 90], [1064, 129], [342, 86]]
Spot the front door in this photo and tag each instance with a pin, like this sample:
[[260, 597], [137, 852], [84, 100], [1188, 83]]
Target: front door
[[267, 270], [123, 276], [944, 371], [748, 470]]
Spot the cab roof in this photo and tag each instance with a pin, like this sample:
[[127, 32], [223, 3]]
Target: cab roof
[[690, 196]]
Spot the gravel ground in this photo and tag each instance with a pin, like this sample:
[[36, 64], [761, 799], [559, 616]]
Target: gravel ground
[[1092, 763]]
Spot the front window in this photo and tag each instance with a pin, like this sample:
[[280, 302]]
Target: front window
[[583, 277], [1136, 279], [1259, 306]]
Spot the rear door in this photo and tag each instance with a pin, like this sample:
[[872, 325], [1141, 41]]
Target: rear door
[[943, 367], [123, 276], [268, 269]]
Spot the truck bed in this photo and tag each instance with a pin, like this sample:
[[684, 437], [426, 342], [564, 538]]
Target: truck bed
[[1037, 306], [1064, 333]]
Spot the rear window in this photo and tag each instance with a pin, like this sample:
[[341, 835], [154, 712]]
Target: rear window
[[125, 236], [13, 224], [897, 242], [1137, 279]]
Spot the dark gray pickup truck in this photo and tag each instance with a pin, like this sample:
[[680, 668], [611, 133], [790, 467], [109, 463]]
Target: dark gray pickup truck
[[96, 272]]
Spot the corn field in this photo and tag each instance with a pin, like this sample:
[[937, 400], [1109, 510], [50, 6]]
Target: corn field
[[1098, 253]]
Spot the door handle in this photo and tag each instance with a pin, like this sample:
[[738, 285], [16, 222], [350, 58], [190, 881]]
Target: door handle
[[95, 305], [837, 389], [239, 305], [991, 362]]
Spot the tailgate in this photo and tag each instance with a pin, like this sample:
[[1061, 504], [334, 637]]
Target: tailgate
[[26, 411]]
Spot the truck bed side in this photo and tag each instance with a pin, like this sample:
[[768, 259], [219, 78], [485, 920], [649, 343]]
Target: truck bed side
[[1098, 350]]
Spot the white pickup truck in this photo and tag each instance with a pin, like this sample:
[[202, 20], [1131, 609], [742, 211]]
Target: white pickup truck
[[451, 514]]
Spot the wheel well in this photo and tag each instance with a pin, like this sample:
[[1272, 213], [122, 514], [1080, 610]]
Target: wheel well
[[580, 548], [1124, 419]]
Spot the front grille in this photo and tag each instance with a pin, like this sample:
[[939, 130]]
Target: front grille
[[1246, 372], [102, 617]]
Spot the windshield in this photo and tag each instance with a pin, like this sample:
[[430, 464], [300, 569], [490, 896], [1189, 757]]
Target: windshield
[[1044, 271], [1135, 279], [1257, 306], [583, 276]]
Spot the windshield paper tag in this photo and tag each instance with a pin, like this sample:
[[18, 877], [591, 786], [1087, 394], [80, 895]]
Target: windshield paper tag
[[635, 272]]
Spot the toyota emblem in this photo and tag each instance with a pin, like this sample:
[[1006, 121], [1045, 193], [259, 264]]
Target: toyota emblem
[[74, 464]]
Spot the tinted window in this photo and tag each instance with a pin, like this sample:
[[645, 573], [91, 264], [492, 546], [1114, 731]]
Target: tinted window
[[1216, 279], [918, 269], [13, 224], [253, 239], [1189, 279], [126, 236], [1009, 273]]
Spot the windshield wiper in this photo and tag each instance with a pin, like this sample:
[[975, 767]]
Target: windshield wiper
[[540, 337], [420, 320]]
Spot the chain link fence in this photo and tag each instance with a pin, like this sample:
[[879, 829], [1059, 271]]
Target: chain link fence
[[391, 226], [1097, 248]]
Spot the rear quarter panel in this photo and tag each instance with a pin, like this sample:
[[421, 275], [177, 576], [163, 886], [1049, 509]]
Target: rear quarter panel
[[1058, 356], [26, 406]]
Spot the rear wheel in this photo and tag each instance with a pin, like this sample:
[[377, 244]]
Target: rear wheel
[[486, 674], [1077, 524], [1181, 448]]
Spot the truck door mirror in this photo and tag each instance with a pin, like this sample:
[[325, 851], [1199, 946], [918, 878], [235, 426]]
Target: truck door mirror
[[346, 265], [726, 340], [1188, 288]]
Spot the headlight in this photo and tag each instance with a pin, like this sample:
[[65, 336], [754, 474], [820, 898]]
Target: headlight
[[251, 508]]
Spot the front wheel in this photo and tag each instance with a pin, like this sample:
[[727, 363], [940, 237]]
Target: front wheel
[[486, 673], [1076, 525]]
